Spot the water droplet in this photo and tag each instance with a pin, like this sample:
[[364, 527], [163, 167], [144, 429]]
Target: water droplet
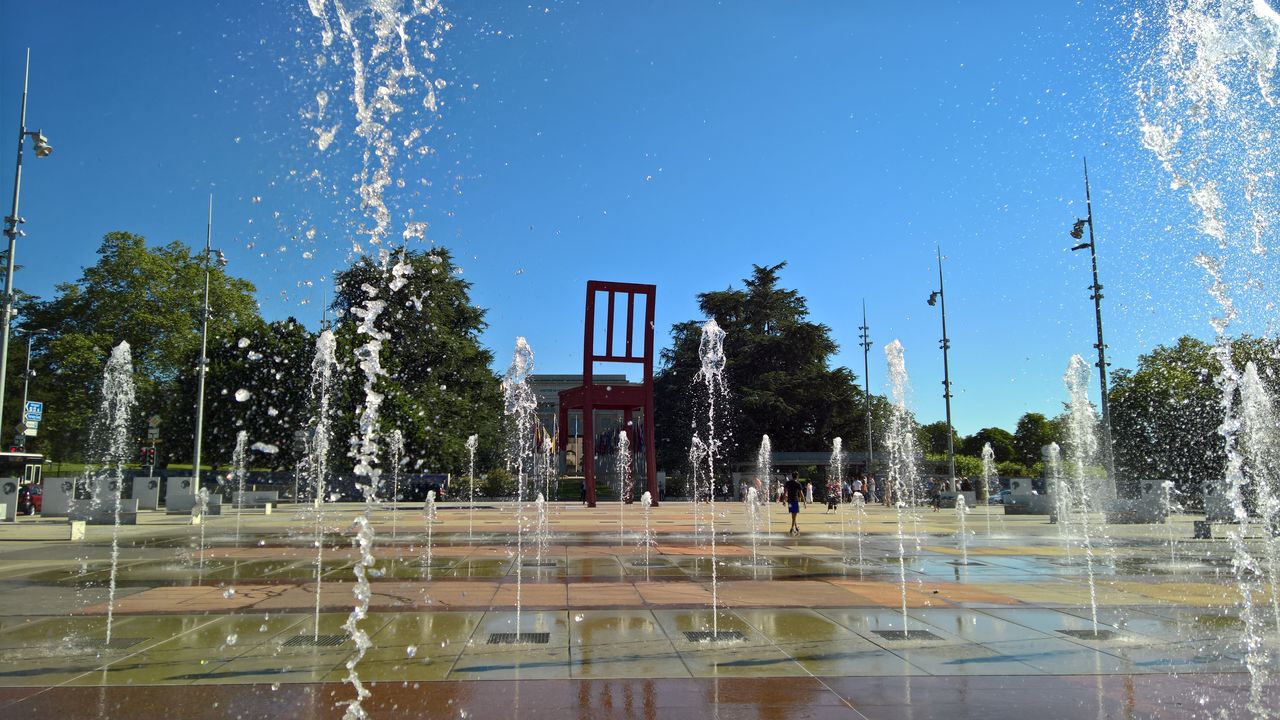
[[411, 650], [242, 395], [229, 593], [232, 638], [275, 686], [577, 618], [243, 342]]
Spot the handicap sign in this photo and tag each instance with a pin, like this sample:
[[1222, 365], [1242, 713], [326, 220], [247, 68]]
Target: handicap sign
[[35, 410]]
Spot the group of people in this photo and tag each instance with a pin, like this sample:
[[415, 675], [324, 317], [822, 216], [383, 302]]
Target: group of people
[[793, 494]]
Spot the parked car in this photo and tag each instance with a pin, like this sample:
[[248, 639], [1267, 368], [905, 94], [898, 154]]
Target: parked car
[[999, 498], [30, 499]]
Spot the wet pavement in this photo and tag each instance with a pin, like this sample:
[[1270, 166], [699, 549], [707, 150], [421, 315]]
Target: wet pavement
[[802, 628]]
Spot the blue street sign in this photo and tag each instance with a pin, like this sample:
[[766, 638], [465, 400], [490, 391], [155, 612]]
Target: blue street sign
[[34, 410]]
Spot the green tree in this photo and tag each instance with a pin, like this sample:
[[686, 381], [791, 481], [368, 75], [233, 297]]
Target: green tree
[[1165, 414], [438, 385], [933, 438], [258, 381], [1001, 443], [777, 370], [1033, 432], [150, 297]]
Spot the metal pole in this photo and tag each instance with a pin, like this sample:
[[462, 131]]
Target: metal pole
[[864, 334], [1108, 457], [204, 345], [11, 229], [26, 379], [946, 381]]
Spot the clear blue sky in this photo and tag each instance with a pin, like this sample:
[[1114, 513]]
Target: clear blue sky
[[672, 143]]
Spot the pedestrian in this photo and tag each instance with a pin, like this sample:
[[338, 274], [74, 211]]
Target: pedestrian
[[871, 488], [584, 492], [795, 495], [857, 488], [808, 491]]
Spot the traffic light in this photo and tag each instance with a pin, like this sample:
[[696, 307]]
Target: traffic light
[[148, 456]]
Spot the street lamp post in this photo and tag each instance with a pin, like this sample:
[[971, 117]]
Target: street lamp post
[[11, 222], [26, 378], [204, 348], [1077, 232], [864, 334], [939, 297]]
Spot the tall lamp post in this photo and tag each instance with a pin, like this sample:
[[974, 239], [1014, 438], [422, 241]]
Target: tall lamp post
[[11, 222], [864, 334], [209, 252], [935, 298], [1077, 232], [26, 379]]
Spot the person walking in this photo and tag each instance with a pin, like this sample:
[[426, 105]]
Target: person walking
[[795, 495]]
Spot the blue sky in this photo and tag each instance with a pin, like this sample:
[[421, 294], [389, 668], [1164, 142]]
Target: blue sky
[[672, 143]]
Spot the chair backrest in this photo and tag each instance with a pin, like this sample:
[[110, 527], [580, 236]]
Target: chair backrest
[[622, 313]]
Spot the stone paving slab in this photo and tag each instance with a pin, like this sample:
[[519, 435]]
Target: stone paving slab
[[616, 630]]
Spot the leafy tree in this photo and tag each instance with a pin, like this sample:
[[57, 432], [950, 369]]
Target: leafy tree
[[777, 370], [1165, 414], [438, 385], [258, 381], [1033, 432], [1001, 443], [150, 297], [933, 438]]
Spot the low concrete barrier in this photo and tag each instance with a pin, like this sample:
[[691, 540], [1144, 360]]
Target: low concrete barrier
[[146, 490], [58, 492], [8, 499], [1023, 499], [103, 513], [255, 498], [1148, 507]]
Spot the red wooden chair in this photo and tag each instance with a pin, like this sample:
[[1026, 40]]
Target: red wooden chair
[[627, 397]]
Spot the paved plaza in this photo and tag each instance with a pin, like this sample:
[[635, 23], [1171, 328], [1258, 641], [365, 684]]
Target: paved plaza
[[809, 626]]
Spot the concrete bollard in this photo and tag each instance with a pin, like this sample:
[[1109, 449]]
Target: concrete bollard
[[77, 530], [267, 508], [4, 509], [1201, 530], [196, 518]]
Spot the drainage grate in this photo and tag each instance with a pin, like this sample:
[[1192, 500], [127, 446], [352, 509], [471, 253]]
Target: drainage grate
[[709, 636], [962, 563], [648, 563], [529, 638], [538, 563], [1090, 635], [120, 643], [906, 634], [315, 641]]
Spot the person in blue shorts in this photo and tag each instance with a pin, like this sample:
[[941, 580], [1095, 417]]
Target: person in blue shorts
[[795, 495]]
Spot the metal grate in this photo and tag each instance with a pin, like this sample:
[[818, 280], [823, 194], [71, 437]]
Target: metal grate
[[538, 563], [906, 634], [316, 640], [648, 563], [1090, 635], [964, 563], [528, 638], [709, 636], [120, 643]]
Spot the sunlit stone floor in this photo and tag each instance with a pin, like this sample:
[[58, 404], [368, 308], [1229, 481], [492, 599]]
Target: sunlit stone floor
[[232, 630]]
